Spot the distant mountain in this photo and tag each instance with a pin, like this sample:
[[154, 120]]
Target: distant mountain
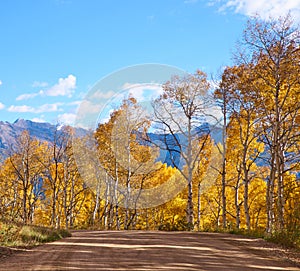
[[9, 132], [170, 152]]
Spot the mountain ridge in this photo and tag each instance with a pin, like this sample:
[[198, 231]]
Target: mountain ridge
[[9, 132], [44, 131]]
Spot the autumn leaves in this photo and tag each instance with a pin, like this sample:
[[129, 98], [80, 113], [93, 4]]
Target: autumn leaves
[[115, 177]]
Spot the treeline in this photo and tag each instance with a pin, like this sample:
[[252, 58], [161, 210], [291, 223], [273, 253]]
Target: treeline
[[113, 179]]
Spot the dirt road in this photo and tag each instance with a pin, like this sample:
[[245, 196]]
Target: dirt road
[[137, 250]]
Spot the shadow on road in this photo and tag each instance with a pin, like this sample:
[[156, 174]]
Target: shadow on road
[[137, 250]]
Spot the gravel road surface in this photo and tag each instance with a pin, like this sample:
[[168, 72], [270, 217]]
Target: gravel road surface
[[140, 250]]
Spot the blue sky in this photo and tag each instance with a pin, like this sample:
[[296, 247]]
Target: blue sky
[[53, 51]]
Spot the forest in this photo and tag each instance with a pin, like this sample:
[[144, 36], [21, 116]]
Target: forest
[[113, 178]]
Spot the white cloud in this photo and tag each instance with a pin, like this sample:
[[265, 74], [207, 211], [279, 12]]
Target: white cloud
[[37, 84], [103, 95], [77, 103], [2, 106], [100, 104], [41, 119], [264, 8], [87, 114], [27, 96], [64, 87], [143, 92], [190, 1], [1, 83], [41, 109], [88, 107], [213, 115], [49, 108], [67, 118], [20, 108]]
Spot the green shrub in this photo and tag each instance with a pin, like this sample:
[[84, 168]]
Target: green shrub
[[13, 235], [179, 225], [8, 233], [34, 234], [286, 238]]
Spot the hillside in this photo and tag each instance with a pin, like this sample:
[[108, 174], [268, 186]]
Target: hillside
[[9, 132]]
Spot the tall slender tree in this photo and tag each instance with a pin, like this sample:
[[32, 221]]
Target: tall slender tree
[[25, 160], [180, 114], [269, 80]]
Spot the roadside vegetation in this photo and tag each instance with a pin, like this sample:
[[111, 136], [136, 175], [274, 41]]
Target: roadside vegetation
[[12, 235], [248, 182], [286, 239]]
